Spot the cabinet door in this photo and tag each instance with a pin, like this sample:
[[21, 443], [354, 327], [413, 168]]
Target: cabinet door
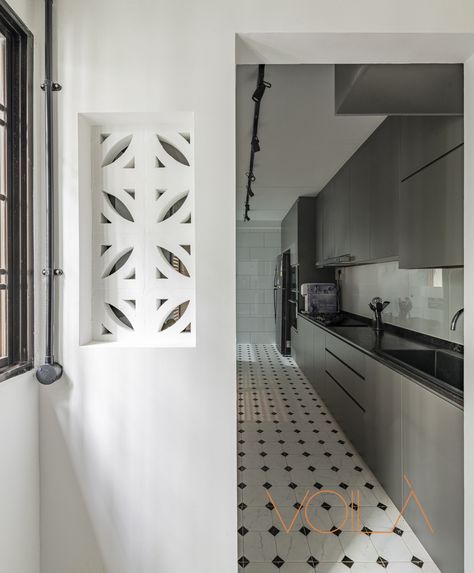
[[308, 344], [330, 217], [433, 463], [360, 183], [385, 149], [320, 361], [383, 443], [341, 204], [289, 234], [425, 139], [319, 228], [431, 214]]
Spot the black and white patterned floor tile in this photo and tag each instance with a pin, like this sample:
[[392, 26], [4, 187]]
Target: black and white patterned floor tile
[[298, 473]]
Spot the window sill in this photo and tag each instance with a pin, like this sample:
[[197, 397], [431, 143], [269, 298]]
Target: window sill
[[14, 370]]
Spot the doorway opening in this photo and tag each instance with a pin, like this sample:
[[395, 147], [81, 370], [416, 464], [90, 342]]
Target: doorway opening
[[357, 200]]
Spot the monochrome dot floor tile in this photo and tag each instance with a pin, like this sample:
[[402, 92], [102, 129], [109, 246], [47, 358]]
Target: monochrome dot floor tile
[[298, 476]]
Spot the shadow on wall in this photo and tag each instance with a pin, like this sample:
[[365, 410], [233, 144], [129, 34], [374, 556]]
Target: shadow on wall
[[65, 523], [116, 468]]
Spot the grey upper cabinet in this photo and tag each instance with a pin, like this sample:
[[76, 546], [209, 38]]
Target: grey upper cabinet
[[329, 225], [289, 233], [342, 243], [298, 234], [336, 224], [360, 166], [431, 214], [383, 428], [385, 151], [426, 139], [319, 228], [433, 463]]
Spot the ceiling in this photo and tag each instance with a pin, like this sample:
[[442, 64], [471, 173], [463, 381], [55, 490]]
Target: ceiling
[[303, 143]]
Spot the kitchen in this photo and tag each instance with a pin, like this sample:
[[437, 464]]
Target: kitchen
[[382, 226]]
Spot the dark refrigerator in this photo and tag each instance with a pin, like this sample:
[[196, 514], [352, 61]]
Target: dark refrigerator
[[281, 292]]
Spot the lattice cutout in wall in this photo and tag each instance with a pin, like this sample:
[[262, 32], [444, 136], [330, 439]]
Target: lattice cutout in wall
[[143, 236]]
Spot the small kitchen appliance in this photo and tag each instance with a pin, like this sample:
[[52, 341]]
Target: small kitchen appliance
[[319, 298]]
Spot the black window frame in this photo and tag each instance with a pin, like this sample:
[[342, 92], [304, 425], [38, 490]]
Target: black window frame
[[19, 183]]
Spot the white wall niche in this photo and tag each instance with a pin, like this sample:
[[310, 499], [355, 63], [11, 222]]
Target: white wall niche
[[137, 229]]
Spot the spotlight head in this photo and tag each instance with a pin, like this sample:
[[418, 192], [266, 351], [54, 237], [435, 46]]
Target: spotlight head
[[250, 193], [255, 144], [260, 90]]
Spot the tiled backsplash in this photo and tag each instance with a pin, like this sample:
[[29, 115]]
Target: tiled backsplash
[[423, 300], [257, 249]]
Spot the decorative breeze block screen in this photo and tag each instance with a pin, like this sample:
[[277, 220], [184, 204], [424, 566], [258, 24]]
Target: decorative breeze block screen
[[143, 236]]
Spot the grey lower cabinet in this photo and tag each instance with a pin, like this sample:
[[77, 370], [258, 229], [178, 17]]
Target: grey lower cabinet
[[345, 388], [383, 428], [431, 214], [401, 429], [305, 338], [433, 463], [319, 361]]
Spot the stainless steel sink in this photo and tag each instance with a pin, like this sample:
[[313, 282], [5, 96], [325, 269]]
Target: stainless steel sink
[[436, 363]]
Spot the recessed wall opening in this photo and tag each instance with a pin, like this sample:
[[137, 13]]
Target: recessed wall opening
[[349, 290], [137, 232]]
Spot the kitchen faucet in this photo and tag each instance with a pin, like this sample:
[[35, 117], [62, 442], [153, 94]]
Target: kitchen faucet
[[378, 305], [455, 318]]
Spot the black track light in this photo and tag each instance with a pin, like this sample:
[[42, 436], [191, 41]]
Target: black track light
[[257, 96], [260, 90], [255, 144]]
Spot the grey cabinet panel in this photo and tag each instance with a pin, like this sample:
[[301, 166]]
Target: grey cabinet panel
[[433, 462], [336, 226], [360, 166], [342, 216], [298, 235], [431, 214], [385, 149], [345, 390], [425, 139], [305, 336], [383, 438], [330, 218], [319, 357], [319, 228], [289, 234], [349, 415]]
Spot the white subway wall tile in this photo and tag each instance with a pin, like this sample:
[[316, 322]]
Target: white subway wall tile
[[250, 238], [256, 257]]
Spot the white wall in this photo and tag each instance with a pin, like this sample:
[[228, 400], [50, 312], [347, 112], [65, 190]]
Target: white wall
[[423, 300], [19, 475], [257, 249], [147, 436], [19, 424]]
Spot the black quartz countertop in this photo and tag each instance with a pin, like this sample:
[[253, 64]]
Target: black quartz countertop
[[376, 345]]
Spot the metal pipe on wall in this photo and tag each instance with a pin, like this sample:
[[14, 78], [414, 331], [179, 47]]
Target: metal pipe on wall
[[50, 371]]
